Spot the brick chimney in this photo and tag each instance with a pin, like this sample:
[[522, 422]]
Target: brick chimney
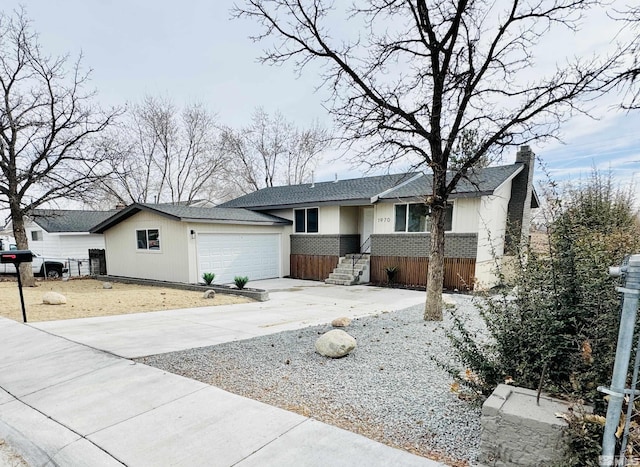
[[519, 211]]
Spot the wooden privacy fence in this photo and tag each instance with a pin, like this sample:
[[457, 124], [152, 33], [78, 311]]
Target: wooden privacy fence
[[458, 272], [312, 267]]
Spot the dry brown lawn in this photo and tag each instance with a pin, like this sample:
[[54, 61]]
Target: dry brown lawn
[[87, 298]]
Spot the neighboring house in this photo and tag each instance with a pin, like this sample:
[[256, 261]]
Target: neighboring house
[[302, 231], [60, 233]]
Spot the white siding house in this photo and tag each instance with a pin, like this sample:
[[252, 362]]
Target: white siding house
[[304, 231], [59, 233]]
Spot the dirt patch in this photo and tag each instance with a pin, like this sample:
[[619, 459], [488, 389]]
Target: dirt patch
[[87, 298], [9, 457]]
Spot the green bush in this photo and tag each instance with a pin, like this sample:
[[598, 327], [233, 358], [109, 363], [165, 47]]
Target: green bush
[[392, 273], [553, 326], [208, 277], [241, 281]]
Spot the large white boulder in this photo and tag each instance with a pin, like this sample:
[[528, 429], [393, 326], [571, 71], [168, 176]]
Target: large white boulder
[[54, 298], [335, 344]]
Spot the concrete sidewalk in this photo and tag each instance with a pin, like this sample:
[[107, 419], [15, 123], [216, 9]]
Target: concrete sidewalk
[[65, 404], [293, 304]]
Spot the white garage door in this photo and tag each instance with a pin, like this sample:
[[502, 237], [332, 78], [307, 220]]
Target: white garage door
[[228, 255]]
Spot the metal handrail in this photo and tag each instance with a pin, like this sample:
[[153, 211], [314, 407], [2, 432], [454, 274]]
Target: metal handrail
[[355, 259]]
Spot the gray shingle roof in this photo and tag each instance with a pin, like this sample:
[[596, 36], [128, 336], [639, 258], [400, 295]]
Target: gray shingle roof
[[349, 191], [478, 183], [181, 212], [67, 220], [357, 191]]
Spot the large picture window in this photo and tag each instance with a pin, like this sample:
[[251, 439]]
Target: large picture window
[[414, 217], [306, 220], [148, 239]]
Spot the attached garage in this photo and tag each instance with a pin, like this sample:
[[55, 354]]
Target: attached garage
[[178, 243], [257, 256]]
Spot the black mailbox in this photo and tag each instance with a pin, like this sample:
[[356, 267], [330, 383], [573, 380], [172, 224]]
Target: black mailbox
[[16, 256]]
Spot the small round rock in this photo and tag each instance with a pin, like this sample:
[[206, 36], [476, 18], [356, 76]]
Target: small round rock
[[209, 294], [107, 285], [341, 322]]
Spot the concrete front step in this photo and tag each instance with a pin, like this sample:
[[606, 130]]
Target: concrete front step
[[342, 277], [347, 272], [350, 263], [353, 271], [340, 282]]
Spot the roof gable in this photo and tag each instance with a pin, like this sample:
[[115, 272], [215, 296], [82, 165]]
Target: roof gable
[[477, 183]]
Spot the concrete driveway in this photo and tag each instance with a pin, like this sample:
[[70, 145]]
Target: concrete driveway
[[293, 304], [65, 404]]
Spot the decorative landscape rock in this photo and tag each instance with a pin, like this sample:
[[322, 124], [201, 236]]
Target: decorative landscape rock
[[448, 300], [209, 294], [341, 322], [335, 344], [54, 298], [107, 285]]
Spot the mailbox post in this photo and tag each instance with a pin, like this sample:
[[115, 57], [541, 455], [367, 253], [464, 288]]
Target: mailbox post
[[17, 257]]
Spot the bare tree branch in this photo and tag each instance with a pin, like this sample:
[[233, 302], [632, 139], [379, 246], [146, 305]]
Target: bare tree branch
[[162, 154], [420, 76], [47, 124], [272, 151]]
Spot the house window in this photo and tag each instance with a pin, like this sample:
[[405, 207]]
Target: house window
[[148, 239], [36, 235], [306, 220], [414, 217]]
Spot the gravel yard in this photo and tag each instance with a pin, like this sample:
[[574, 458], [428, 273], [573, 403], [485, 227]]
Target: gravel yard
[[389, 389]]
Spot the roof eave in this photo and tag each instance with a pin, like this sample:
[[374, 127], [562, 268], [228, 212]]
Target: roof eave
[[231, 221], [374, 199], [509, 178], [464, 194]]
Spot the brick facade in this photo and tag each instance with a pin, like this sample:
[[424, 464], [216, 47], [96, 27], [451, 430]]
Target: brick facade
[[327, 245], [456, 245], [519, 211]]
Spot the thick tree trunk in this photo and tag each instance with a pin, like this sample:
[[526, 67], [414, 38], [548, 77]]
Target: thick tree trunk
[[20, 234], [435, 274]]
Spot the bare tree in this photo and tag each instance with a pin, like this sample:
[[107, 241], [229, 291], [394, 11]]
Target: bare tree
[[163, 154], [272, 151], [47, 121], [409, 79], [629, 76]]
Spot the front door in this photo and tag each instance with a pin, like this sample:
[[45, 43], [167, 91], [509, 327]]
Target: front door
[[367, 230]]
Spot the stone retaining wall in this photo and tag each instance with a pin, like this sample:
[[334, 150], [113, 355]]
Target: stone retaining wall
[[518, 432], [256, 294]]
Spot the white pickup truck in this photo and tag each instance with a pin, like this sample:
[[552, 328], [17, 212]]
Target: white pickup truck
[[49, 267]]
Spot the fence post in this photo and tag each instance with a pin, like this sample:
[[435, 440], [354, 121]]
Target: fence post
[[630, 291]]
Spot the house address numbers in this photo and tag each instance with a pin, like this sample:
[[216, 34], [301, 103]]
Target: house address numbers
[[384, 219]]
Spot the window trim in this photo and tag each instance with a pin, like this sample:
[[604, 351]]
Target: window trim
[[306, 221], [428, 222], [38, 233], [147, 249]]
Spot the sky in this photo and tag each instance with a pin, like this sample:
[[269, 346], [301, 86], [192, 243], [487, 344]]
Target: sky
[[192, 51]]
